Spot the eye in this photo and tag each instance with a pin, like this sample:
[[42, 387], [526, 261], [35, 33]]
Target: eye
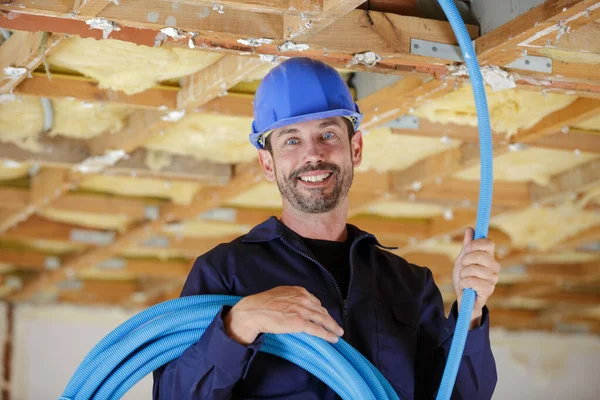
[[291, 141], [328, 135]]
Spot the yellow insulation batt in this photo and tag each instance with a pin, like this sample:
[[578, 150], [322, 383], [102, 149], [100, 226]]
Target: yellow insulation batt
[[510, 110], [589, 125], [9, 171], [204, 229], [263, 195], [543, 228], [21, 122], [89, 220], [404, 209], [384, 151], [534, 164], [208, 137], [81, 120], [179, 192], [567, 257], [126, 66]]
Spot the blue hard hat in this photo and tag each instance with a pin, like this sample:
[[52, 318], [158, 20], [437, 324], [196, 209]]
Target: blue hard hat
[[297, 90]]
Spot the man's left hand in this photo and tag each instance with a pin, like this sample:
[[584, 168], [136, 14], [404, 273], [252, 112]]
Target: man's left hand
[[476, 268]]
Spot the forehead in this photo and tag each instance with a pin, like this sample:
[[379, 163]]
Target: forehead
[[311, 125]]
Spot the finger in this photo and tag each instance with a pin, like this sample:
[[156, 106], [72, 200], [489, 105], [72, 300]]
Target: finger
[[485, 245], [469, 235], [319, 331], [477, 271], [479, 257], [326, 321], [303, 292], [483, 287]]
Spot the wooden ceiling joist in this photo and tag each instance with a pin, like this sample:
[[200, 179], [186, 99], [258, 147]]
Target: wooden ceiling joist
[[301, 28], [244, 178], [214, 80], [71, 154], [20, 55]]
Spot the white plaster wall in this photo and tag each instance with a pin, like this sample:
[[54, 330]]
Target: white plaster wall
[[51, 341], [3, 335]]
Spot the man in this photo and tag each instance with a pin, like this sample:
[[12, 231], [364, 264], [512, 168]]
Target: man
[[310, 271]]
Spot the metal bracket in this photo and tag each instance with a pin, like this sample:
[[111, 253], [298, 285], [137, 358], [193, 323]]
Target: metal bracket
[[92, 237], [532, 63], [158, 241], [52, 263], [428, 48], [404, 122], [152, 212], [220, 214], [113, 263]]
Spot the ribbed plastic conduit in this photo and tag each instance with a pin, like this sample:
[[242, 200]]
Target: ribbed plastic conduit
[[161, 333], [485, 191]]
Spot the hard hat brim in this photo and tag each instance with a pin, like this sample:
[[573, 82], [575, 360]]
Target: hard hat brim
[[257, 138]]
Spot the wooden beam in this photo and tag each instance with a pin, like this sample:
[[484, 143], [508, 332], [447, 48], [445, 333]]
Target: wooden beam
[[580, 110], [11, 198], [391, 227], [588, 236], [572, 181], [141, 126], [436, 166], [452, 192], [62, 86], [574, 139], [245, 176], [389, 35], [392, 101], [287, 7], [300, 28], [71, 154], [46, 187], [21, 54], [214, 80], [89, 8], [534, 28]]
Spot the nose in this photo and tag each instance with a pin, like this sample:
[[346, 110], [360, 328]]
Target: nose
[[315, 152]]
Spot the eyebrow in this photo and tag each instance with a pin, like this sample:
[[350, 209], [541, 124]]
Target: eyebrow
[[324, 124]]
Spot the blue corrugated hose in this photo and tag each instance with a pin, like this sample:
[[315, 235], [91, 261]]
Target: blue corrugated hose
[[161, 333]]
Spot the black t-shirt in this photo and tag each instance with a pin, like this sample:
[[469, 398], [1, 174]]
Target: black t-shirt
[[335, 257]]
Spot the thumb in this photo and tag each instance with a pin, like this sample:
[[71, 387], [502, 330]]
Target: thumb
[[469, 234]]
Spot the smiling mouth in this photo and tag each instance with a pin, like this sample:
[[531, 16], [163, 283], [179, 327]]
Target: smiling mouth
[[316, 178]]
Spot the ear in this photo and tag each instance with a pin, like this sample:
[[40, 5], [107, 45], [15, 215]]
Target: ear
[[356, 147], [268, 166]]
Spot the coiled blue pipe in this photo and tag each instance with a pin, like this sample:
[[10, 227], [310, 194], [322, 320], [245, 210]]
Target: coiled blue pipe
[[161, 333]]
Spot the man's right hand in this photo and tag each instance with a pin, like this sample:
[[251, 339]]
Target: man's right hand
[[285, 309]]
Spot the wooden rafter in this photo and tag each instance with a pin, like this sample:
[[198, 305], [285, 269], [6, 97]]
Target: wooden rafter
[[21, 54], [246, 177], [301, 27], [71, 154]]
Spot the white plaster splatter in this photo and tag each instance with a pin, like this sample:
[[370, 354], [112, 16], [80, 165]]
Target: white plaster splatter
[[14, 72], [291, 46], [96, 164], [106, 26], [255, 42], [368, 58], [173, 116]]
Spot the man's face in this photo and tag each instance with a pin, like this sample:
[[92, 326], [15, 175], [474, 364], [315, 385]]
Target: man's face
[[313, 163]]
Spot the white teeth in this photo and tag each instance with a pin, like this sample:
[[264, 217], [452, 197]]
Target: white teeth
[[315, 178]]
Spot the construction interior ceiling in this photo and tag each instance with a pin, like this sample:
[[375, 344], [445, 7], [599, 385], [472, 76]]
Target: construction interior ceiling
[[124, 150]]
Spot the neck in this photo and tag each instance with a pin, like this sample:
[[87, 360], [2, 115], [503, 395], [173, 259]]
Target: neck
[[325, 226]]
